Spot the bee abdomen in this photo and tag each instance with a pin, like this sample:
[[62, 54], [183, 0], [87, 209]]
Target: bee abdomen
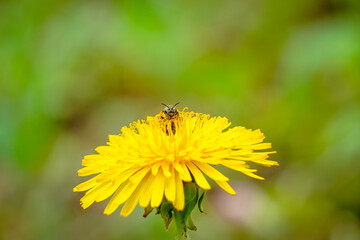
[[173, 127]]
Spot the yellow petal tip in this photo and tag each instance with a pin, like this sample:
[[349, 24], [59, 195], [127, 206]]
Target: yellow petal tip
[[108, 212]]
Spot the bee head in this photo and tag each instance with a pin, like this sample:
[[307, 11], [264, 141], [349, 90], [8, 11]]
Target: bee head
[[170, 109]]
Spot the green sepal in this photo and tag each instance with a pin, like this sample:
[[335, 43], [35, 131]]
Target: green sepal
[[200, 202], [148, 210], [191, 197], [183, 219], [190, 224], [166, 213], [158, 210], [180, 225]]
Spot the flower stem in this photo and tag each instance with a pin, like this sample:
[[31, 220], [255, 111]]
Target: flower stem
[[181, 232]]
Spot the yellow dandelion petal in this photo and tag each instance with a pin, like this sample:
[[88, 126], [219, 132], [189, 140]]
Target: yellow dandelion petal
[[184, 174], [123, 176], [178, 167], [91, 159], [179, 202], [251, 174], [113, 205], [170, 187], [155, 168], [211, 172], [150, 160], [158, 190], [129, 188], [199, 177], [137, 177], [90, 170], [124, 192], [85, 185], [107, 193], [224, 185], [147, 192], [131, 203], [91, 195], [165, 168]]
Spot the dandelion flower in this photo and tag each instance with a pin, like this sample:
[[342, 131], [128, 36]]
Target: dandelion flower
[[151, 161]]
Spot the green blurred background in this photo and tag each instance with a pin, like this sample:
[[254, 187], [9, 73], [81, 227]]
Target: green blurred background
[[72, 72]]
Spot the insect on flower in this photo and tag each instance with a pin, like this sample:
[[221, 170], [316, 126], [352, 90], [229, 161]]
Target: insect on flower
[[169, 115], [160, 163], [170, 112]]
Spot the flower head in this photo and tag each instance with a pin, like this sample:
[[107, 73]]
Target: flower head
[[150, 160]]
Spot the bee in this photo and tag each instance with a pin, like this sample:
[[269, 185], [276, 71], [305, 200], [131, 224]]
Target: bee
[[170, 114]]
